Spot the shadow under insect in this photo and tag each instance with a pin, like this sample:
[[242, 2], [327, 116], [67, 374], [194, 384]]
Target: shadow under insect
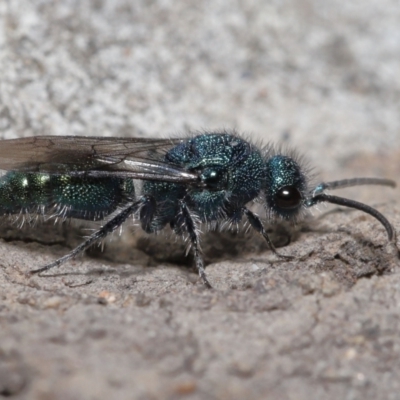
[[216, 245]]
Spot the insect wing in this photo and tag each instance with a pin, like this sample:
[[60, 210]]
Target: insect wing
[[136, 158]]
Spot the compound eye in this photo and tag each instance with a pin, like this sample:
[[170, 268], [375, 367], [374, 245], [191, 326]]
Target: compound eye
[[288, 197]]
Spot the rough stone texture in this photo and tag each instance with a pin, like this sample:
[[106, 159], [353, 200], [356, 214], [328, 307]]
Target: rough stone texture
[[321, 76]]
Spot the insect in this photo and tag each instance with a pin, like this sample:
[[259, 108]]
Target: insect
[[205, 179]]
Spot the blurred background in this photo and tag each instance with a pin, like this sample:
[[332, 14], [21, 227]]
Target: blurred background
[[323, 76]]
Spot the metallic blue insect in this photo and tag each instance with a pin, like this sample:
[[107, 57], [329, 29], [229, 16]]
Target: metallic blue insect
[[206, 179]]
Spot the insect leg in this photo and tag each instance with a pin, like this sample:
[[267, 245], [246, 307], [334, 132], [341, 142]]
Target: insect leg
[[106, 229], [257, 224], [190, 225], [147, 212]]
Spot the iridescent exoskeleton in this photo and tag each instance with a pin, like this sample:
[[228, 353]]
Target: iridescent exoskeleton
[[208, 179]]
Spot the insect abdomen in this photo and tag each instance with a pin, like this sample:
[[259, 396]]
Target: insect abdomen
[[63, 195]]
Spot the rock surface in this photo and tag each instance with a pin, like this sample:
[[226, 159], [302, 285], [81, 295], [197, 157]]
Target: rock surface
[[134, 322]]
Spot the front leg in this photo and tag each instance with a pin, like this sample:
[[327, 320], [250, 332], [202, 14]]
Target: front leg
[[189, 224], [257, 224]]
